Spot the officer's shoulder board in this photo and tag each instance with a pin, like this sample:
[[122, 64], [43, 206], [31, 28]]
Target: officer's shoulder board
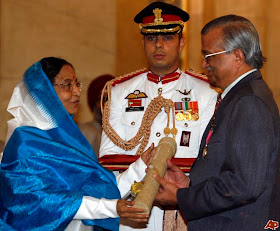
[[128, 76], [197, 75]]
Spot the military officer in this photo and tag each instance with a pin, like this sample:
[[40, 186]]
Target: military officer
[[193, 99]]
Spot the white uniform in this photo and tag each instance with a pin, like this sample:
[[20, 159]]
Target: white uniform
[[126, 122]]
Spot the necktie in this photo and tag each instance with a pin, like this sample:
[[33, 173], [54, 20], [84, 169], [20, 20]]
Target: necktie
[[212, 126], [219, 99]]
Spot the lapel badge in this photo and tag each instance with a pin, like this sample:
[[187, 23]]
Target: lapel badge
[[185, 139], [135, 101], [186, 99], [185, 93]]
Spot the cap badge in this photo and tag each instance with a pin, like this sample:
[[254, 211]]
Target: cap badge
[[157, 13]]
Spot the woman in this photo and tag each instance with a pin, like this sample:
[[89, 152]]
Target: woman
[[50, 178]]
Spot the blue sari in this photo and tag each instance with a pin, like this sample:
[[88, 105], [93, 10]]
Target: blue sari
[[45, 173]]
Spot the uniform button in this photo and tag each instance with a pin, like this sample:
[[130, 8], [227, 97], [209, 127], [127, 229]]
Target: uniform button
[[132, 123], [160, 90], [158, 134], [186, 125]]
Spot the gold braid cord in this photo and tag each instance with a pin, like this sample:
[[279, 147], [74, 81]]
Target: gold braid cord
[[143, 134]]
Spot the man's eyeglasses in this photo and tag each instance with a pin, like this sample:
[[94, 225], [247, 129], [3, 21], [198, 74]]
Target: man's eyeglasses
[[69, 86], [212, 54]]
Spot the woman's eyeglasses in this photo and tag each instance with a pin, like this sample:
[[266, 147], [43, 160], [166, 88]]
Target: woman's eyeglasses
[[69, 86]]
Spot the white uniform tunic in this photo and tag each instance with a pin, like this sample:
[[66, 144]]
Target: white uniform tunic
[[127, 123]]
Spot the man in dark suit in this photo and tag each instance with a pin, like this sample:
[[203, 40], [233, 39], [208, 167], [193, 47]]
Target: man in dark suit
[[231, 183]]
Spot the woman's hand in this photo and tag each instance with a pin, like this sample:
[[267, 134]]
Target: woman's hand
[[149, 154], [125, 210]]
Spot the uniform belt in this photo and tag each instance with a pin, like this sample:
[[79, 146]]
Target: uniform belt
[[119, 162]]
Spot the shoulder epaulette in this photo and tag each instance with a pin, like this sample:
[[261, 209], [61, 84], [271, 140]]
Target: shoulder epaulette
[[128, 76], [197, 75]]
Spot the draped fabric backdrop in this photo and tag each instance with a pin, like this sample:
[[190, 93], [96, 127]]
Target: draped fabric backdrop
[[100, 37]]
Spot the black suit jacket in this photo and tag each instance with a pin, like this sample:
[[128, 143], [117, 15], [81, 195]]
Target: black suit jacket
[[231, 188]]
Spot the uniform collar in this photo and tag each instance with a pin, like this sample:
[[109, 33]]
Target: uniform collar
[[164, 78]]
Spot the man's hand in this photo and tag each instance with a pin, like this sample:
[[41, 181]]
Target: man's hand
[[149, 154], [125, 210], [173, 179], [176, 176], [167, 193]]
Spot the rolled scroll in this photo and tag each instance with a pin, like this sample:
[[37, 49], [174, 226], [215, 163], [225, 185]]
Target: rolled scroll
[[145, 198]]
